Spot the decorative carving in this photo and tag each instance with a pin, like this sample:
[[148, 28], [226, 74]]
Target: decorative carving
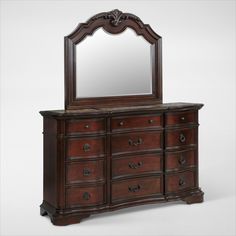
[[116, 16]]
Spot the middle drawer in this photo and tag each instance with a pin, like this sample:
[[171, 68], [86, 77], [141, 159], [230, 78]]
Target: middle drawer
[[129, 166], [136, 142]]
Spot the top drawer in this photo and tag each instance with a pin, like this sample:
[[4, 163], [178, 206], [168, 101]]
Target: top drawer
[[177, 118], [85, 126], [136, 122]]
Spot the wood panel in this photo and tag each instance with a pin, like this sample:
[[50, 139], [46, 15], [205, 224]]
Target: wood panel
[[85, 196], [139, 164], [177, 118], [85, 171], [136, 142], [139, 187]]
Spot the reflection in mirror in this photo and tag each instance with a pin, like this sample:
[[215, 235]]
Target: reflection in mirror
[[113, 65]]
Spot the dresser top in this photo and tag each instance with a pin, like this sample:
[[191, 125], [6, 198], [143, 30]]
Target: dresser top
[[124, 109]]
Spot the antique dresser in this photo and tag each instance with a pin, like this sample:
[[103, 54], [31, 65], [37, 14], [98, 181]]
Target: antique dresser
[[116, 144]]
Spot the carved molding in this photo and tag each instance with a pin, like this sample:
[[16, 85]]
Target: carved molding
[[116, 16]]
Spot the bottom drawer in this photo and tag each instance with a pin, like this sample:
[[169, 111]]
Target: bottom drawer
[[180, 181], [82, 196], [139, 187]]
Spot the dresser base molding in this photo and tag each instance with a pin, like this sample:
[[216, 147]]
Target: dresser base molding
[[62, 218]]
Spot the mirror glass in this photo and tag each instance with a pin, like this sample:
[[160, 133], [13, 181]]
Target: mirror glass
[[113, 65]]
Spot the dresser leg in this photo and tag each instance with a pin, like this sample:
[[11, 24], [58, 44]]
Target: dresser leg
[[194, 198], [61, 220], [43, 212]]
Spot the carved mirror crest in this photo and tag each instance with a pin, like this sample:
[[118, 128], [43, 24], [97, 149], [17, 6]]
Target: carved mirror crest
[[112, 59]]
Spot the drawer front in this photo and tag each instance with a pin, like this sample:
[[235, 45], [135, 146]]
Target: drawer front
[[181, 181], [135, 142], [177, 118], [136, 165], [180, 160], [140, 187], [181, 137], [84, 171], [136, 122], [84, 196], [85, 126], [85, 147]]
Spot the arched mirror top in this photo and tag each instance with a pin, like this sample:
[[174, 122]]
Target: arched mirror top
[[114, 69]]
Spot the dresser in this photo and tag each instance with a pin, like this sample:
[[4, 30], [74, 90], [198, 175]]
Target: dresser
[[103, 156]]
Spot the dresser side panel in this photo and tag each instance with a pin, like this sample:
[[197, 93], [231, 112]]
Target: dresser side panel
[[50, 161]]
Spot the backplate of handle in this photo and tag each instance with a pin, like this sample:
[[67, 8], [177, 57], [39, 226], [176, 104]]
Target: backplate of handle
[[135, 143], [135, 165]]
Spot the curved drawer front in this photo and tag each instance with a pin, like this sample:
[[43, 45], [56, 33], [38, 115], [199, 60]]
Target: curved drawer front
[[85, 147], [181, 181], [136, 165], [136, 142], [137, 122], [177, 118], [85, 126], [84, 196], [180, 160], [84, 171], [139, 187], [181, 137]]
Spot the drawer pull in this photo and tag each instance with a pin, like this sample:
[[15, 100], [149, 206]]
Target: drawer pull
[[181, 182], [182, 118], [182, 138], [86, 196], [86, 172], [135, 165], [86, 126], [135, 143], [151, 121], [86, 147], [135, 188], [182, 160], [121, 123]]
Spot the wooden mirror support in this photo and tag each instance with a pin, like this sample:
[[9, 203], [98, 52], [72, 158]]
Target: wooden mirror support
[[104, 154], [113, 22]]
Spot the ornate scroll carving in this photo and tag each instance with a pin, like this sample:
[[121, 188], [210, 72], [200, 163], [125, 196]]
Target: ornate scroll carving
[[116, 16]]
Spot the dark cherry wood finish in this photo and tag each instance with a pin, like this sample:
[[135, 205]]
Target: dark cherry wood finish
[[113, 22], [104, 154]]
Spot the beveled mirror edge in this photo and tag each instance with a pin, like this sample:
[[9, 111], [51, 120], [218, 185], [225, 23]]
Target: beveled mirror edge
[[113, 22]]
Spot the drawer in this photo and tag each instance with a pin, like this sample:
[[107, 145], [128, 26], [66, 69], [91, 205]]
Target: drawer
[[180, 160], [177, 118], [136, 142], [137, 122], [85, 147], [180, 181], [135, 165], [181, 137], [85, 196], [139, 187], [85, 126], [84, 171]]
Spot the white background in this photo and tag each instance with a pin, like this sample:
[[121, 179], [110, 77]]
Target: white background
[[198, 66]]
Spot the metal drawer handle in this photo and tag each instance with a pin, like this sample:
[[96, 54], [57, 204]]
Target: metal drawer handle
[[182, 118], [135, 188], [86, 196], [182, 160], [86, 147], [135, 165], [121, 123], [182, 138], [86, 172], [151, 121], [135, 143], [86, 126], [181, 182]]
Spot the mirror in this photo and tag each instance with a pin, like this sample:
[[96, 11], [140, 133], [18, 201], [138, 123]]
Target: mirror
[[113, 59], [113, 65]]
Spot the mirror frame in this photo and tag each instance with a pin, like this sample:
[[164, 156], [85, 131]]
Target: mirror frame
[[113, 22]]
